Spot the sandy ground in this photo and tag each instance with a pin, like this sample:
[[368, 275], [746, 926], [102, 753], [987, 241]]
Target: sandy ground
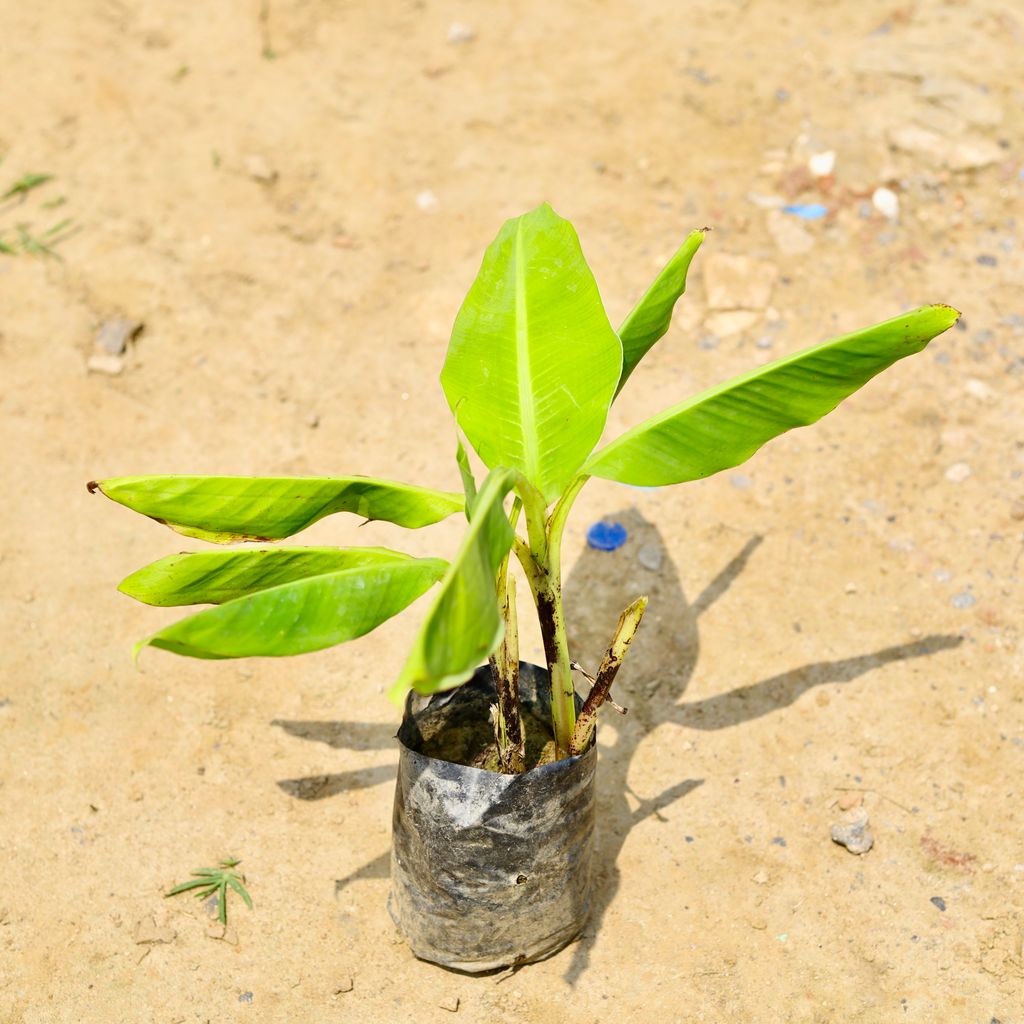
[[294, 207]]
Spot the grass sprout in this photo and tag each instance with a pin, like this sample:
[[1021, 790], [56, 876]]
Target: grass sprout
[[216, 882], [25, 184]]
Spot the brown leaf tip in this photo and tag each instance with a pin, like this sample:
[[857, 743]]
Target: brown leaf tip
[[92, 486]]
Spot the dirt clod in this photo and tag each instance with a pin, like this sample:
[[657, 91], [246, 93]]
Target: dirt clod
[[114, 335], [853, 832]]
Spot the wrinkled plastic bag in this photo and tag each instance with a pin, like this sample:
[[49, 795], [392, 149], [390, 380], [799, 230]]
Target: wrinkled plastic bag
[[489, 870]]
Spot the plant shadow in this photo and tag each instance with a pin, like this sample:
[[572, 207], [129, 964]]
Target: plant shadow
[[600, 585], [342, 736]]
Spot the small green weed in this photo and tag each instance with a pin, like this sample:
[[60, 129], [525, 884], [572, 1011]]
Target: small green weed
[[215, 882], [23, 238]]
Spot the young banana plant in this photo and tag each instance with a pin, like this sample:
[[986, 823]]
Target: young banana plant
[[532, 369]]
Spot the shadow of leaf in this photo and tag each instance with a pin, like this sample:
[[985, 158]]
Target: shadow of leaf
[[319, 787], [379, 868], [341, 735], [746, 703]]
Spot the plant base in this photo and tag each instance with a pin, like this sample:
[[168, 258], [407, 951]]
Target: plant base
[[488, 870]]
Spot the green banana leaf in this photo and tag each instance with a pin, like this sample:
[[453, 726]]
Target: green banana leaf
[[463, 625], [213, 577], [304, 615], [225, 509], [652, 315], [724, 426], [533, 361]]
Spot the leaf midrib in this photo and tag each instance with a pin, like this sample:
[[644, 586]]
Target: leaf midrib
[[527, 410]]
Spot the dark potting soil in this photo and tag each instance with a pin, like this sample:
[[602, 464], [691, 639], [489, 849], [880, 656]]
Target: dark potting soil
[[467, 737]]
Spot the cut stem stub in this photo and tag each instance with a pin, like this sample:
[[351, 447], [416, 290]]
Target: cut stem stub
[[629, 622]]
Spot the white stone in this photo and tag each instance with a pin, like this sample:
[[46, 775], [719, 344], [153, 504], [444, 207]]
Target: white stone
[[426, 200], [886, 202], [459, 33], [963, 154], [822, 164], [105, 363]]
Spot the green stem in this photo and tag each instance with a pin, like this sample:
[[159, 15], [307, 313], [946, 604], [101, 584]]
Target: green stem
[[541, 561], [533, 510], [556, 524], [548, 596]]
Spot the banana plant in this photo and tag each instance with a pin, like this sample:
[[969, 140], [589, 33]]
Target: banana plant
[[532, 369]]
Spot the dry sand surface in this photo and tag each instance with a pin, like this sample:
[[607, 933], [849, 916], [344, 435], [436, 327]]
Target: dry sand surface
[[293, 206]]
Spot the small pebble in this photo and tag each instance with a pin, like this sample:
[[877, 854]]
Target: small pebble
[[451, 1004], [313, 420], [649, 556], [103, 363], [822, 164], [606, 536], [939, 902], [114, 335], [848, 801], [258, 168], [886, 202], [778, 841], [986, 260], [965, 599], [759, 923], [766, 341], [958, 472], [761, 877], [459, 33], [741, 481], [426, 200], [708, 343], [1017, 509], [854, 832], [851, 588], [245, 997], [345, 985]]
